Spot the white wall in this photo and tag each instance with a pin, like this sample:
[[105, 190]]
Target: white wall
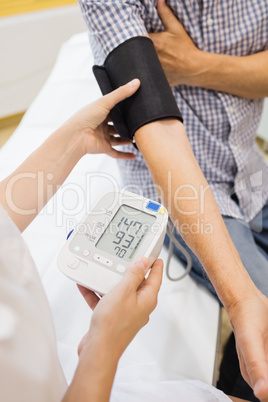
[[28, 48]]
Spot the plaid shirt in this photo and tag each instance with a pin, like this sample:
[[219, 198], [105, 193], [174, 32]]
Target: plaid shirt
[[221, 127]]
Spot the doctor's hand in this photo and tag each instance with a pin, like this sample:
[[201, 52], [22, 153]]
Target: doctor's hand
[[121, 313], [176, 50], [249, 319], [116, 319], [91, 124]]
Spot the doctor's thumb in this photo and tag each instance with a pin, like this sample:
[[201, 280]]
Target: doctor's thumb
[[135, 273]]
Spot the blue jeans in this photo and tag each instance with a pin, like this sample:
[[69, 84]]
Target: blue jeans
[[251, 242]]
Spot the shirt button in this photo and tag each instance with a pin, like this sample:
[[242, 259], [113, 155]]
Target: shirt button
[[210, 21]]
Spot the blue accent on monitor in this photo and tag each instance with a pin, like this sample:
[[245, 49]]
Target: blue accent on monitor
[[153, 206], [69, 234]]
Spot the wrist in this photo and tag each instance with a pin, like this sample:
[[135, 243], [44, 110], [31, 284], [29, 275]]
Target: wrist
[[72, 141], [200, 68], [240, 309], [99, 344], [213, 71], [95, 372], [196, 66], [235, 289], [240, 295]]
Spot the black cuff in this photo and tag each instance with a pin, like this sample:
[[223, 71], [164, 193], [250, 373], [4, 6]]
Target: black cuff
[[137, 58]]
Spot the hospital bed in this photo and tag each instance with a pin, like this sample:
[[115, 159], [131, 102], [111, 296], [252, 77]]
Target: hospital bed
[[182, 336]]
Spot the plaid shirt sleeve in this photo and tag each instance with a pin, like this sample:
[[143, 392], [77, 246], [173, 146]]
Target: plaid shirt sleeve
[[112, 22]]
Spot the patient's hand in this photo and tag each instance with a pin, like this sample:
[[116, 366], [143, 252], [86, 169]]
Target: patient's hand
[[121, 313], [179, 56], [249, 318], [91, 123]]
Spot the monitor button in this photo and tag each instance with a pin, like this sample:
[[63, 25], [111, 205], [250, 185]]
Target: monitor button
[[98, 258], [108, 263], [73, 263], [103, 260], [121, 268], [153, 206], [86, 253]]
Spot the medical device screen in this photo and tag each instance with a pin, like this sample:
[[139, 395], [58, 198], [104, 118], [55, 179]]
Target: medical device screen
[[126, 232]]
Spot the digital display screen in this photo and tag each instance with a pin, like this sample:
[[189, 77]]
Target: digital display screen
[[126, 232]]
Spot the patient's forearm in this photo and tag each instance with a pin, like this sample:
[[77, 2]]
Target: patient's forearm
[[26, 191], [185, 192]]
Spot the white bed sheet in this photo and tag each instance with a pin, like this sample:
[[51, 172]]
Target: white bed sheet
[[181, 337]]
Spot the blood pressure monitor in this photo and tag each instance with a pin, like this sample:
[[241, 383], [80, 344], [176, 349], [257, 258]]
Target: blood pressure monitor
[[120, 227]]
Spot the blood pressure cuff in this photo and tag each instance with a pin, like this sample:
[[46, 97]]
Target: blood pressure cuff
[[137, 58]]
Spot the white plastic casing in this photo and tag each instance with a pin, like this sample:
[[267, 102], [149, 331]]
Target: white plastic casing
[[94, 268]]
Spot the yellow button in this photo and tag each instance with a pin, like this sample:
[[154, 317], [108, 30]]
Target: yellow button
[[162, 211]]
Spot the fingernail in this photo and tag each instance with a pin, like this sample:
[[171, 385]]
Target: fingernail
[[258, 386], [142, 262], [134, 82]]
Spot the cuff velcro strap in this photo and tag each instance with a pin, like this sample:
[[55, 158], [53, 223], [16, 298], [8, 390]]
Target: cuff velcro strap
[[137, 58]]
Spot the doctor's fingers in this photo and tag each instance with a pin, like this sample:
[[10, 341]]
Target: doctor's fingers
[[110, 100], [119, 141], [134, 275], [90, 297], [148, 292], [114, 153]]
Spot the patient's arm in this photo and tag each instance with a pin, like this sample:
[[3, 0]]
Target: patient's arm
[[27, 190], [181, 184], [168, 154]]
